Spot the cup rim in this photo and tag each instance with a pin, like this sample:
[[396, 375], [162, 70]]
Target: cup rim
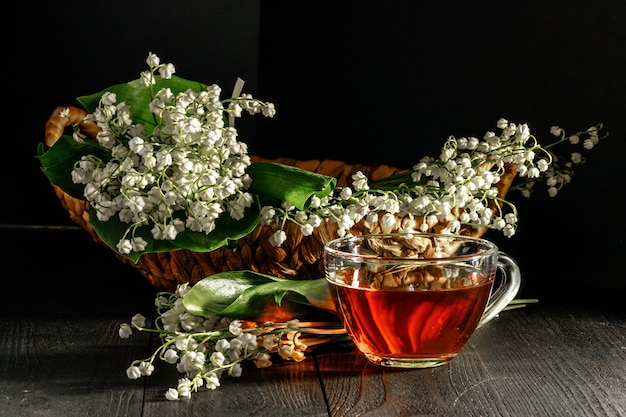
[[489, 248]]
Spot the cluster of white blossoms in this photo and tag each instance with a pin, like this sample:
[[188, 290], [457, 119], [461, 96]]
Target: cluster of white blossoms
[[191, 163], [191, 169], [458, 188], [203, 349], [561, 169]]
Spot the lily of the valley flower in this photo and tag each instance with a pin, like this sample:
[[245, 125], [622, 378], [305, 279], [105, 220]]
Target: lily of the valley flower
[[173, 165], [456, 189], [191, 162], [203, 349]]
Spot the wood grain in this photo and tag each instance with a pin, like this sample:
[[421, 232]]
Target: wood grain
[[285, 388], [540, 361], [60, 355], [67, 367]]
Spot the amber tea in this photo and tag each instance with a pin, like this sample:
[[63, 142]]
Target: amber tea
[[414, 301], [429, 325]]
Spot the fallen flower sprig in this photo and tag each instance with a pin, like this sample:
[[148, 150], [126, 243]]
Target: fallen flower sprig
[[205, 347]]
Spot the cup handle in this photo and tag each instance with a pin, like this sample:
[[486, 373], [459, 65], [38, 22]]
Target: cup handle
[[507, 290]]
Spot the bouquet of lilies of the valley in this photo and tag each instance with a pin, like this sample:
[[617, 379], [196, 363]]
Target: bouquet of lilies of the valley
[[167, 171]]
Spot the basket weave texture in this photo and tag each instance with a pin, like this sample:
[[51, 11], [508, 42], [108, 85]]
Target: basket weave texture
[[300, 257]]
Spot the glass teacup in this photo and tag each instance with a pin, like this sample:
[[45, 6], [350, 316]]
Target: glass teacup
[[414, 300]]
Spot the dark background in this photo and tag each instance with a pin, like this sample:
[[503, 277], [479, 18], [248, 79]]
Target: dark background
[[364, 82]]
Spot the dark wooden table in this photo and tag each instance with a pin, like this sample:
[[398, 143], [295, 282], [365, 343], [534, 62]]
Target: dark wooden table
[[60, 354]]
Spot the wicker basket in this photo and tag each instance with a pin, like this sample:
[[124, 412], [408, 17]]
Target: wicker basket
[[300, 257]]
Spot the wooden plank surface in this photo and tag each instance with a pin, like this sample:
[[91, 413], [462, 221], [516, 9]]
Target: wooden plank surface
[[539, 361], [289, 389], [67, 367], [60, 355]]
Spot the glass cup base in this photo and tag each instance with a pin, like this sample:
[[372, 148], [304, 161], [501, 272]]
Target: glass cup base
[[408, 363]]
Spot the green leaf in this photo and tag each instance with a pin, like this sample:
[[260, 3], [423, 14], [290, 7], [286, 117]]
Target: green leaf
[[218, 291], [138, 96], [288, 183], [226, 230], [58, 161], [248, 295]]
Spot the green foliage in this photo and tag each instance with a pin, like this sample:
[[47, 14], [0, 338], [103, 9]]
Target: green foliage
[[254, 296], [58, 161], [227, 230], [289, 183], [139, 97]]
